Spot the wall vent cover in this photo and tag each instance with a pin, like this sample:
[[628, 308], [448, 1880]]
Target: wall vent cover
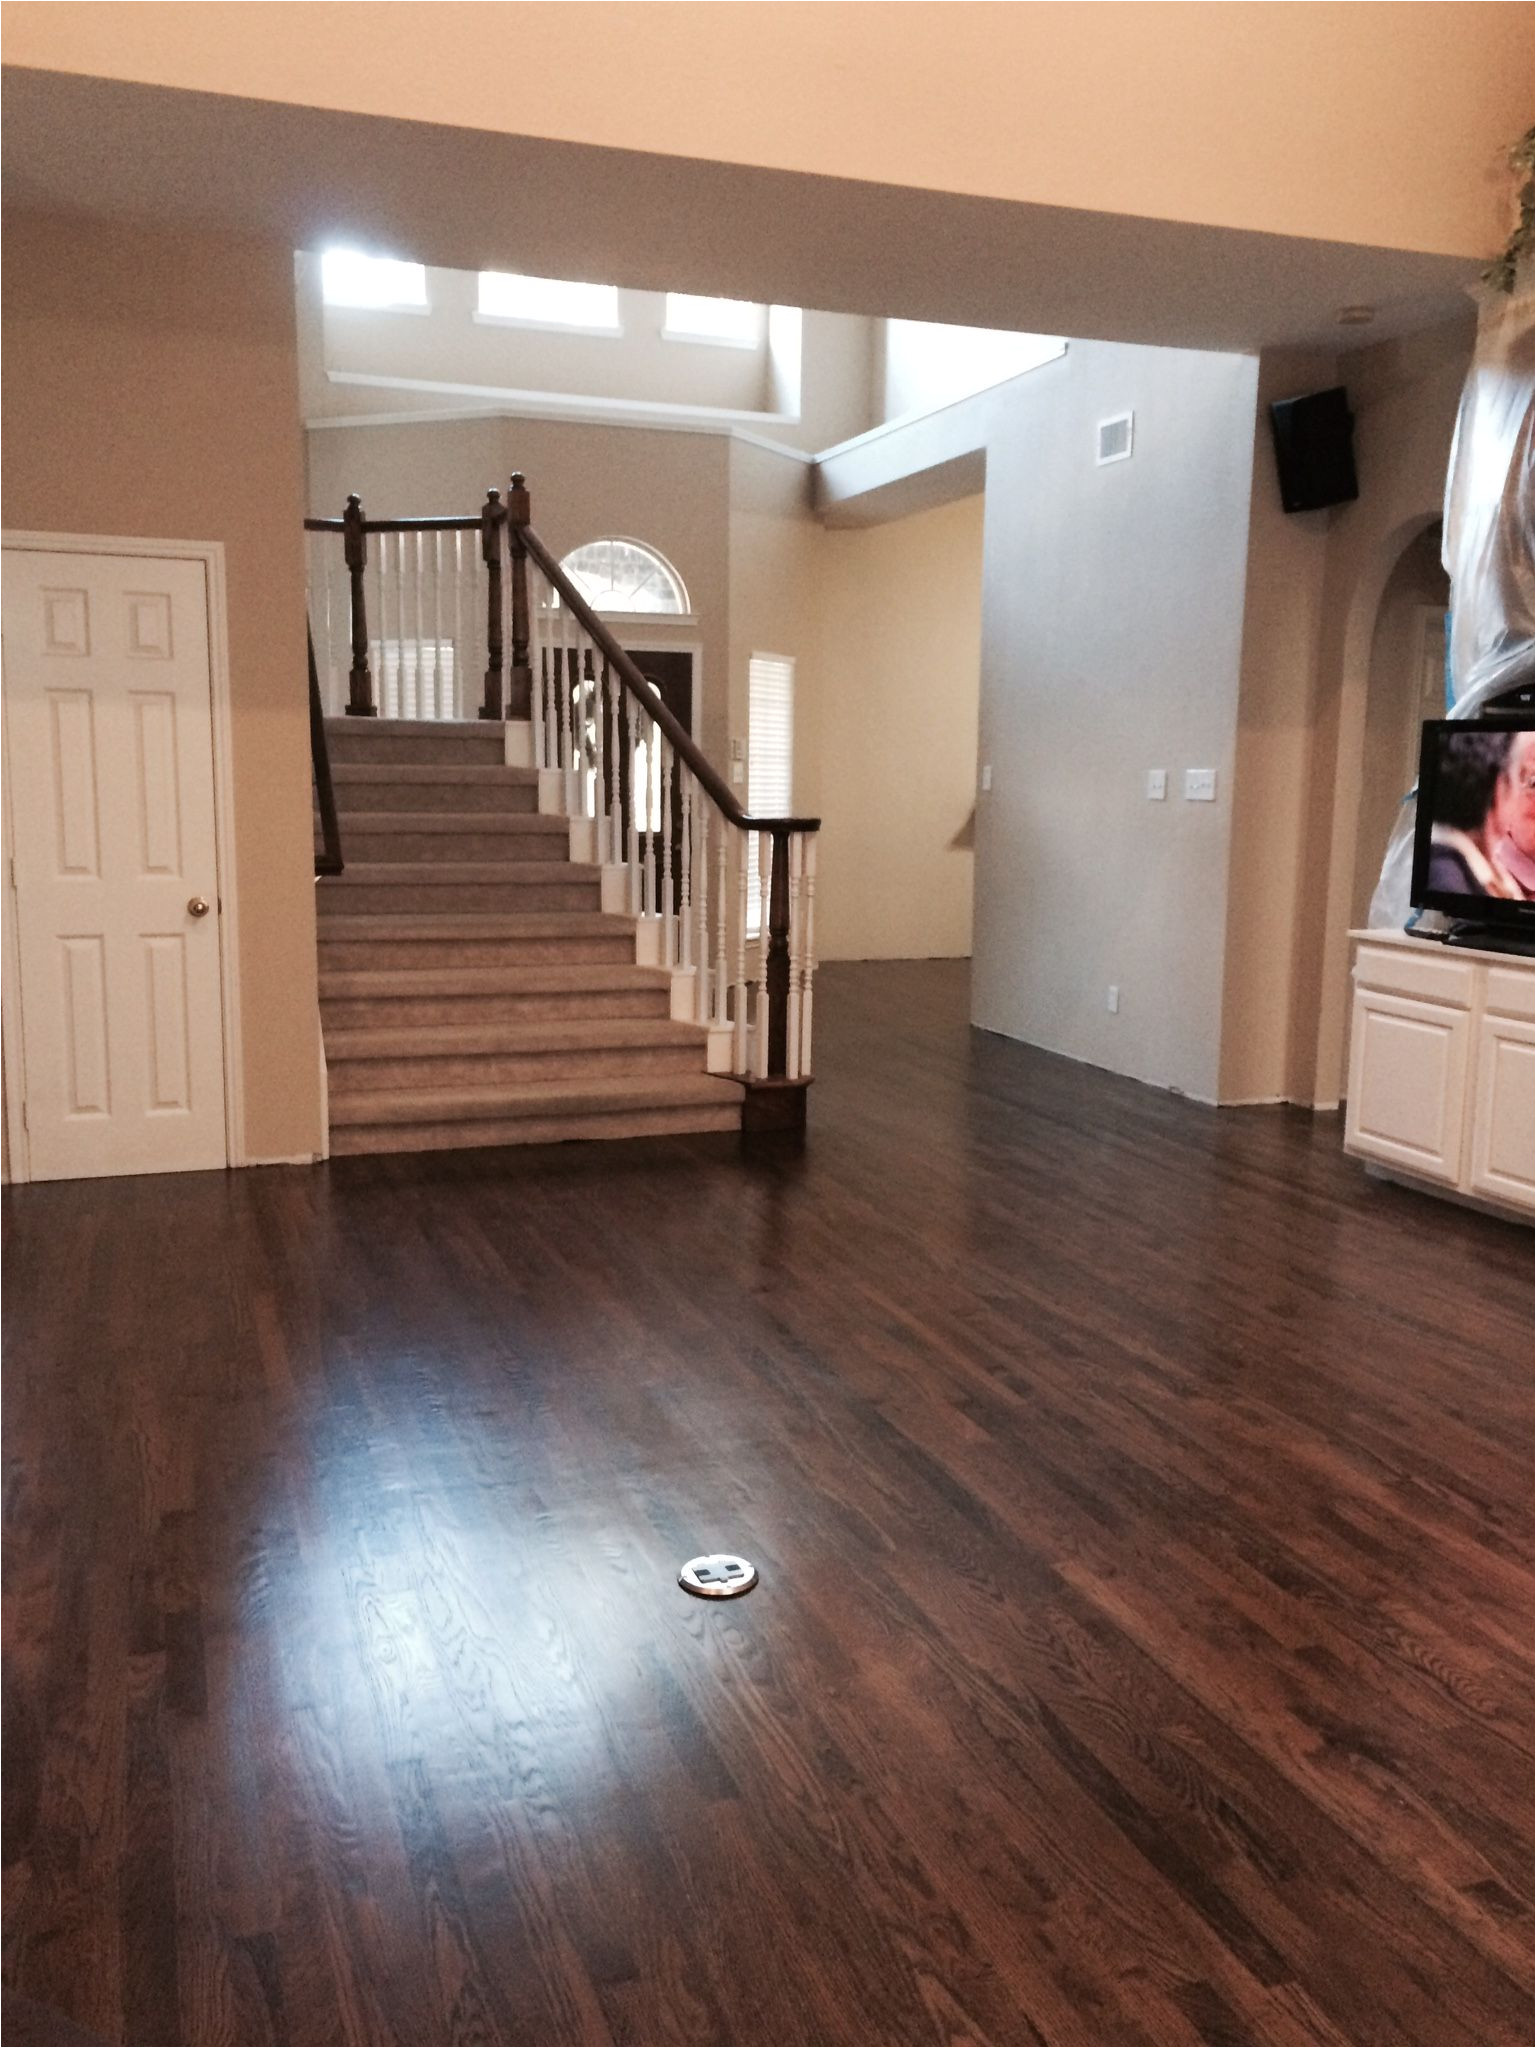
[[1115, 437]]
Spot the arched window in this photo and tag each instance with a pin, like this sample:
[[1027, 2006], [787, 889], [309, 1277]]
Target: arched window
[[625, 576]]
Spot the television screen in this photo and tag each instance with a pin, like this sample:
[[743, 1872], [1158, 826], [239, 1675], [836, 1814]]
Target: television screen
[[1474, 853]]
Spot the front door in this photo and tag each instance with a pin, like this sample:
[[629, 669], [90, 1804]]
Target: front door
[[110, 737]]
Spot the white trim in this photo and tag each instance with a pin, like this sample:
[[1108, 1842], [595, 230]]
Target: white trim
[[558, 404], [574, 415], [757, 347], [931, 412], [211, 554], [601, 330], [18, 1144]]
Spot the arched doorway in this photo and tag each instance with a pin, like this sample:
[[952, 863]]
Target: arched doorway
[[1405, 685]]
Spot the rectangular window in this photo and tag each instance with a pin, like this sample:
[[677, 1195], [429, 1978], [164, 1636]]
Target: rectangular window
[[770, 753], [738, 321], [548, 301], [348, 278]]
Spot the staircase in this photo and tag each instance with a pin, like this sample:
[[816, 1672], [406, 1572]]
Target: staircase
[[472, 989], [599, 944]]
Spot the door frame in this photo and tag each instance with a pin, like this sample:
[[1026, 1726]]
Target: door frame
[[211, 554]]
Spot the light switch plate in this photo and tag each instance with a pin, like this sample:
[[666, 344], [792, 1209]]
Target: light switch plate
[[1200, 785], [986, 776], [1157, 785]]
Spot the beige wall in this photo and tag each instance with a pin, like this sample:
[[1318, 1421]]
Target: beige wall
[[890, 721], [1399, 697], [151, 390], [1277, 710], [1404, 396], [670, 490], [1373, 124]]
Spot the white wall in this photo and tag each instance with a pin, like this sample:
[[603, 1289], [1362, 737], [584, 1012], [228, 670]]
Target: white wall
[[1112, 618], [446, 346]]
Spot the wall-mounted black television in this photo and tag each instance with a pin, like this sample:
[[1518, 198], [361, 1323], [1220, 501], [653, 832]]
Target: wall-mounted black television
[[1474, 850]]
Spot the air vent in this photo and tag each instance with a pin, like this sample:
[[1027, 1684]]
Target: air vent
[[1115, 437]]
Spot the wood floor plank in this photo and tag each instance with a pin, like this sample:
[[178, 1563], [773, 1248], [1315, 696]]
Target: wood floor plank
[[1142, 1651]]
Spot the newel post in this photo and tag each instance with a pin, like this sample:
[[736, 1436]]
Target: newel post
[[354, 540], [777, 972], [520, 680], [492, 520]]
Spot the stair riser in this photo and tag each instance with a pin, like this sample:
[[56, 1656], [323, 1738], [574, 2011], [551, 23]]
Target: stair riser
[[350, 1013], [370, 843], [341, 956], [453, 899], [359, 798], [513, 1070], [456, 1137], [415, 750]]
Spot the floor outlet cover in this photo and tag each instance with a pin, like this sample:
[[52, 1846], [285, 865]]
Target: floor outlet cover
[[720, 1576]]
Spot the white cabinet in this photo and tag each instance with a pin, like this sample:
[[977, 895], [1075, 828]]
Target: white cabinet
[[1442, 1068], [1502, 1166]]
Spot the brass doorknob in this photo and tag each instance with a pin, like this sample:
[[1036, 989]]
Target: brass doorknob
[[198, 906]]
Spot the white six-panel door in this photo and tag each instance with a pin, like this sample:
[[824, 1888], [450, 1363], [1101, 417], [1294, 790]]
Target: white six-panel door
[[109, 731]]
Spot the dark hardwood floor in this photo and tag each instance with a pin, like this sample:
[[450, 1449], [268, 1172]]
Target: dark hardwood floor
[[1142, 1647]]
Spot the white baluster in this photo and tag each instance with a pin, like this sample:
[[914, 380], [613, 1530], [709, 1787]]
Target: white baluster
[[722, 912], [337, 648], [652, 806], [668, 925], [685, 869], [795, 848], [600, 681], [745, 857], [564, 692], [764, 897], [403, 690], [376, 550], [701, 906], [460, 640], [425, 699], [637, 753], [615, 852], [439, 709], [807, 949], [536, 662]]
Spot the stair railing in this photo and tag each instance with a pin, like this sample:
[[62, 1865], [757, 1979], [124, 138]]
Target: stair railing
[[401, 611], [328, 860], [676, 849]]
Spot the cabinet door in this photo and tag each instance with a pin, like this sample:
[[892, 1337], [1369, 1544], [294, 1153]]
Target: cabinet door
[[1408, 1084], [1501, 1164]]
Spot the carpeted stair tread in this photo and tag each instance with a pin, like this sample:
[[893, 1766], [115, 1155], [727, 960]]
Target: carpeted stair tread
[[512, 924], [534, 980], [602, 1095], [459, 1041], [417, 874]]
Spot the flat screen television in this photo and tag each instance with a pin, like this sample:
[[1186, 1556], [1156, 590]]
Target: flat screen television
[[1476, 834]]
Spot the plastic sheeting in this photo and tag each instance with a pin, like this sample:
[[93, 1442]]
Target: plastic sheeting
[[1486, 550]]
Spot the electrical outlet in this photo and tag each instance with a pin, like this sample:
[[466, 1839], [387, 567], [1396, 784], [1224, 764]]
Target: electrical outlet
[[1200, 785], [1157, 785], [986, 776], [1112, 999]]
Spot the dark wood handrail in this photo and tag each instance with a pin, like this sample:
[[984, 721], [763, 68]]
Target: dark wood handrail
[[687, 748], [329, 860], [443, 524]]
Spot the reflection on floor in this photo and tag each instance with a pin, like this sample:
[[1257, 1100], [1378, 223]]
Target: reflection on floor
[[1140, 1653]]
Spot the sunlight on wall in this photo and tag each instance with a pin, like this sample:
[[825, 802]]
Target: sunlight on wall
[[928, 365]]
